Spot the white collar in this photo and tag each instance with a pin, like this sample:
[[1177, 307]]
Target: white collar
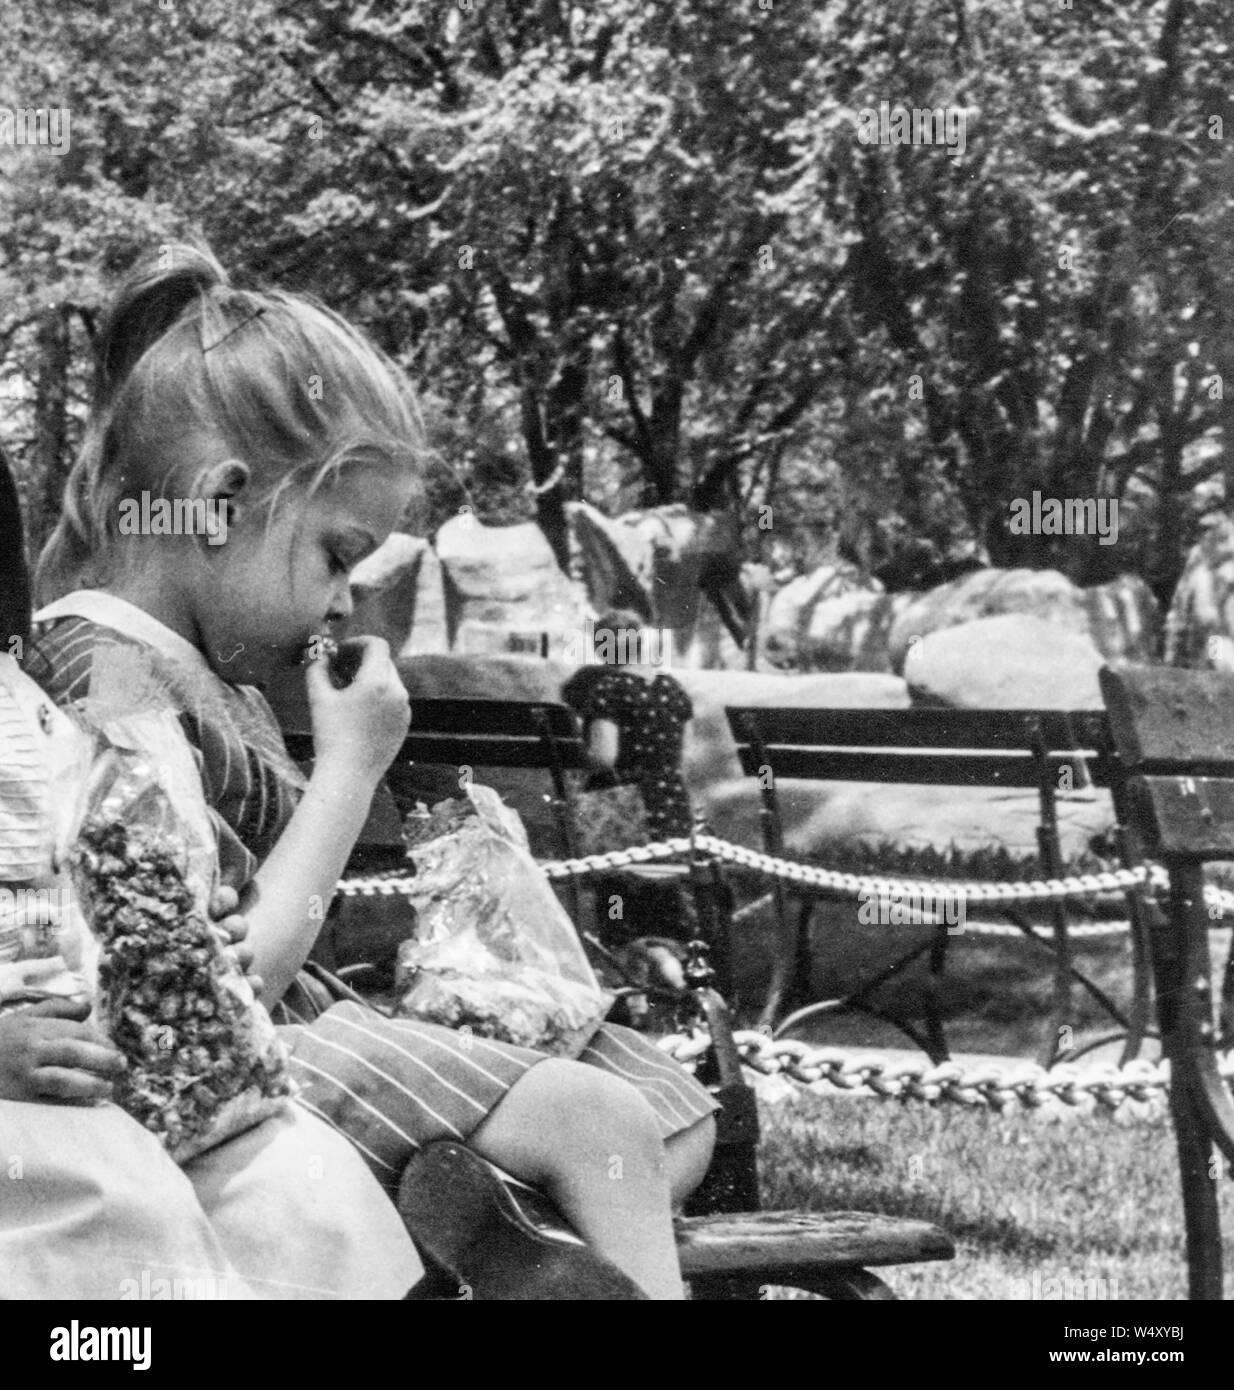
[[97, 606]]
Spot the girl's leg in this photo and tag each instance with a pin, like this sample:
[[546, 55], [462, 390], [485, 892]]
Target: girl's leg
[[689, 1155], [592, 1143]]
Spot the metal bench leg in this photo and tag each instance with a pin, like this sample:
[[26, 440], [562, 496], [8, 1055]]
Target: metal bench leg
[[791, 969], [1140, 907], [938, 1050], [1052, 856], [1184, 1003], [1200, 1213]]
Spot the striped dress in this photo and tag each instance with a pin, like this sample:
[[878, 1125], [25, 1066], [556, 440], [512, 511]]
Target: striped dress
[[390, 1086]]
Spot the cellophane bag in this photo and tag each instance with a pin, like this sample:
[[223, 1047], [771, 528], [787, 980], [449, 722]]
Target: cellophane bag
[[44, 760], [204, 1060], [494, 951]]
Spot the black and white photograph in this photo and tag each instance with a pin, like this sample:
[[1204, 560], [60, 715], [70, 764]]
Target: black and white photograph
[[616, 664]]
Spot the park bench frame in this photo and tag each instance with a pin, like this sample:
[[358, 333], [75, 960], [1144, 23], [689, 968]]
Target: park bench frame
[[1174, 731], [727, 1246], [932, 746]]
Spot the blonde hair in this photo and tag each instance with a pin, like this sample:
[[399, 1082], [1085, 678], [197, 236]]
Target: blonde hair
[[277, 379]]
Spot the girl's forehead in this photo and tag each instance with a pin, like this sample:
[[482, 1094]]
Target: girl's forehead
[[372, 498]]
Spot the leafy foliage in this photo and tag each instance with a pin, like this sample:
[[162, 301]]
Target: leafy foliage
[[643, 244]]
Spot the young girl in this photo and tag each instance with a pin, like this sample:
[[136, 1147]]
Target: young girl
[[91, 1205], [294, 443]]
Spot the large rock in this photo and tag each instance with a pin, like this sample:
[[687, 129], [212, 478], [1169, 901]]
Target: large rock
[[506, 576], [1012, 662], [1120, 618], [607, 562], [832, 619], [1124, 619], [1199, 628], [397, 593], [850, 633], [652, 561]]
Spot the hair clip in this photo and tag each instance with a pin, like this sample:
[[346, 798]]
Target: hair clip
[[256, 314]]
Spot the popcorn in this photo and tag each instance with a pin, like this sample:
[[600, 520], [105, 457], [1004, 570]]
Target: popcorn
[[203, 1061]]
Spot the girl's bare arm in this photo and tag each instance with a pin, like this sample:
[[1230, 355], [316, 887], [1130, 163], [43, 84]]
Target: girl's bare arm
[[357, 732]]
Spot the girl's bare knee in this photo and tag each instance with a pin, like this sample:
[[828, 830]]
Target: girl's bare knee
[[579, 1114]]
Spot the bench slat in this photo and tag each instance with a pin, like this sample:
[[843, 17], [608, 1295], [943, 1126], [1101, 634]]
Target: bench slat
[[1193, 816], [982, 730], [770, 1242], [455, 750], [949, 768], [516, 718], [1172, 720]]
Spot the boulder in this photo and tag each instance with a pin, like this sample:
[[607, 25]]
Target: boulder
[[850, 633], [397, 593], [652, 561], [967, 819], [1012, 662], [1124, 619], [1120, 618], [601, 561], [507, 576], [1199, 628], [832, 619]]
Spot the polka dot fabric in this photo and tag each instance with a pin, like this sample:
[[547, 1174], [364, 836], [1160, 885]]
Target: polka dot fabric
[[651, 715]]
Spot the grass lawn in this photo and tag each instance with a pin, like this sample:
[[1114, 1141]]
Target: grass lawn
[[1082, 1199]]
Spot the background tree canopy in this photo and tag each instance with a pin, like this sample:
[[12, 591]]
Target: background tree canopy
[[636, 252]]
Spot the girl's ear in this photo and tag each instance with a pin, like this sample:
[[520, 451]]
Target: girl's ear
[[223, 483]]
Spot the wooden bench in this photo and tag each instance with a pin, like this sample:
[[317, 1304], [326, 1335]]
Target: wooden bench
[[729, 1248], [1174, 731], [1039, 749]]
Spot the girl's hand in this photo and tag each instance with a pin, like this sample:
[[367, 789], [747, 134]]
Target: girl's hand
[[232, 928], [49, 1053], [359, 729]]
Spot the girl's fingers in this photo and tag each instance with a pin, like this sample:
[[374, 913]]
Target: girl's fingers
[[224, 901], [76, 1008], [257, 985], [235, 927], [62, 1083], [244, 957], [81, 1054]]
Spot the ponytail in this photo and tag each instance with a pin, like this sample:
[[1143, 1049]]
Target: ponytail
[[151, 300]]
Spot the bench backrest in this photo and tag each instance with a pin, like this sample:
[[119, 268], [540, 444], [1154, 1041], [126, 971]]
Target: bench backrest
[[482, 733], [473, 733], [934, 746]]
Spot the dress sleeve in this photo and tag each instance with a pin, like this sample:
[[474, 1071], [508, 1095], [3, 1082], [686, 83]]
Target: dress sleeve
[[592, 695]]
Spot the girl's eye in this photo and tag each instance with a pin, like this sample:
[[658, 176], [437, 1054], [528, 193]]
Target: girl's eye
[[337, 564]]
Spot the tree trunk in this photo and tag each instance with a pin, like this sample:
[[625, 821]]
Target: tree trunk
[[550, 504], [50, 455]]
